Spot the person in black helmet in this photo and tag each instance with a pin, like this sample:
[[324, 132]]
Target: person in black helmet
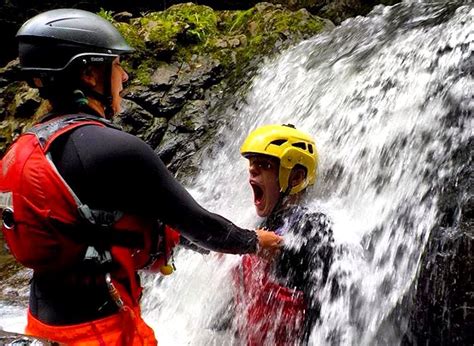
[[83, 197]]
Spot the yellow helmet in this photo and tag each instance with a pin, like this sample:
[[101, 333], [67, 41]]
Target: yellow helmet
[[291, 146]]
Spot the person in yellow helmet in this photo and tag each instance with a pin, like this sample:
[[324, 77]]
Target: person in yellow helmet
[[276, 298]]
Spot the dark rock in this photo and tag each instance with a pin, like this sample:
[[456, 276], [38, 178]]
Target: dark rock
[[187, 132], [133, 118], [10, 73], [157, 103], [123, 16], [137, 121], [443, 311], [23, 101], [176, 148], [9, 338], [172, 86], [191, 118], [155, 132], [207, 71], [3, 109], [164, 77]]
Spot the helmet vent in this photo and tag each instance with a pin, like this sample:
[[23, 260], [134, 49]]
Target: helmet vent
[[300, 145], [278, 142], [310, 148]]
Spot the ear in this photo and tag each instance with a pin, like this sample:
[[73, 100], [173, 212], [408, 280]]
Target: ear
[[90, 76], [297, 175]]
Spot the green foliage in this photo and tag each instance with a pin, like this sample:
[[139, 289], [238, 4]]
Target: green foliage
[[182, 24], [131, 35], [238, 20], [186, 30], [145, 70], [108, 15]]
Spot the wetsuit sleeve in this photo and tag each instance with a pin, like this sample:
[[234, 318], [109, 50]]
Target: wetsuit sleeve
[[186, 243], [112, 170]]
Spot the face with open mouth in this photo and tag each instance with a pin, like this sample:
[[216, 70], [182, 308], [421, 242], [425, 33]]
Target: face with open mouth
[[263, 171]]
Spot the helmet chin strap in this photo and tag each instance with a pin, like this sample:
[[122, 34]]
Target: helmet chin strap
[[281, 199], [109, 111]]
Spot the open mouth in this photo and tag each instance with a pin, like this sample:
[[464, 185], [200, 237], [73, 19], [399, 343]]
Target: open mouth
[[257, 193]]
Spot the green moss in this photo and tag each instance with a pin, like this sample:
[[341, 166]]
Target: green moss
[[184, 24], [144, 72], [263, 26], [238, 20], [200, 21], [108, 15], [187, 30], [131, 35]]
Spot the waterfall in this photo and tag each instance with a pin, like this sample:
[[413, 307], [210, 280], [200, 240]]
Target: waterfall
[[386, 97]]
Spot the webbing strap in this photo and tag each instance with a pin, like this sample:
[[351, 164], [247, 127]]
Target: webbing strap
[[46, 131]]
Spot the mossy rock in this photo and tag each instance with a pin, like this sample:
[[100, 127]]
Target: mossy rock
[[187, 30], [20, 102]]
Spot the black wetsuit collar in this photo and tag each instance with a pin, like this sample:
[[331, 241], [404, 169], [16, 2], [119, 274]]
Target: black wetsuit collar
[[51, 115], [276, 219]]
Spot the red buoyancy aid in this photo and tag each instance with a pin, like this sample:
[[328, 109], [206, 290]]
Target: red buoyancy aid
[[42, 221], [46, 226], [159, 257], [269, 313]]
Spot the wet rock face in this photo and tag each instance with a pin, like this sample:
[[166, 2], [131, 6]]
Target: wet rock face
[[443, 312], [444, 308]]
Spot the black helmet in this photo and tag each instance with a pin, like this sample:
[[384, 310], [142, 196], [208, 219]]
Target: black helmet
[[54, 40], [54, 45]]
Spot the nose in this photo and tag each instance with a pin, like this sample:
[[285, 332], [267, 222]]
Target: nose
[[254, 169], [124, 75]]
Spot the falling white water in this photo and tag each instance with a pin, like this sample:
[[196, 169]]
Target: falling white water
[[375, 93]]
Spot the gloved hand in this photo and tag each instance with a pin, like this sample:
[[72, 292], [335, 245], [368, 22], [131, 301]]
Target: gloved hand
[[269, 244]]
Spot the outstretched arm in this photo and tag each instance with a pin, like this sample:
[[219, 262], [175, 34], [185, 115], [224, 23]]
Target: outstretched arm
[[113, 170]]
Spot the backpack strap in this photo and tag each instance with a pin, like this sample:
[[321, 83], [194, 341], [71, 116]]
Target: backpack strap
[[48, 131]]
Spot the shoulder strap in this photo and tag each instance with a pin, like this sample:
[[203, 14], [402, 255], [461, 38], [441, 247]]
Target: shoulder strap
[[48, 131]]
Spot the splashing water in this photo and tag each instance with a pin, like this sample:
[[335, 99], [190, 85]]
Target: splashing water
[[386, 98]]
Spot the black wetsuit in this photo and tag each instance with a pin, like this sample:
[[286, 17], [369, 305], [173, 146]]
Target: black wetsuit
[[111, 170], [304, 262]]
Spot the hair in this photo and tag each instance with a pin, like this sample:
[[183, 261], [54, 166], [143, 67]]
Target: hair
[[66, 91]]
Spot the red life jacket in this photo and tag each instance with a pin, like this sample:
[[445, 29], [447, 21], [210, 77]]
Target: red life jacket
[[269, 312], [45, 225], [48, 229]]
